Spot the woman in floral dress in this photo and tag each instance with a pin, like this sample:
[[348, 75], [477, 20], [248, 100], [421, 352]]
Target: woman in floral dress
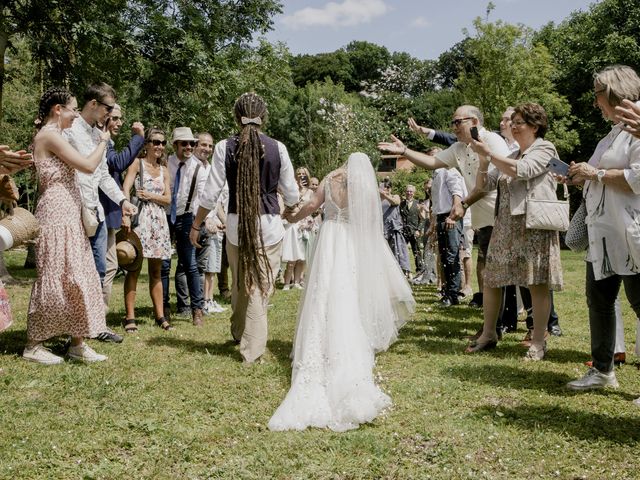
[[153, 229], [66, 298]]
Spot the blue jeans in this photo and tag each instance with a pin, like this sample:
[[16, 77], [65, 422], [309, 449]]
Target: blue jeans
[[449, 247], [186, 258], [99, 249]]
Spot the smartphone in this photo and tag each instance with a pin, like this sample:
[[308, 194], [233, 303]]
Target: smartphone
[[558, 167], [304, 180], [474, 133]]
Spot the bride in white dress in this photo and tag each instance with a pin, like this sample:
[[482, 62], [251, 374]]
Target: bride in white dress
[[356, 298]]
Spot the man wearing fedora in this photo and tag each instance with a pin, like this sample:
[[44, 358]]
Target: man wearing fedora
[[84, 136], [187, 179]]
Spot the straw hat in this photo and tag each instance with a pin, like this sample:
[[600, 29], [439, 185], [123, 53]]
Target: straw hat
[[129, 250], [21, 226], [182, 133]]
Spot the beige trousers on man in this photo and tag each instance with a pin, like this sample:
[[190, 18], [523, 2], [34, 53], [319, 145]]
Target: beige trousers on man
[[249, 318], [112, 266]]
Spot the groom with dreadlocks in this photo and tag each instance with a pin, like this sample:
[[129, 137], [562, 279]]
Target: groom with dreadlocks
[[255, 167]]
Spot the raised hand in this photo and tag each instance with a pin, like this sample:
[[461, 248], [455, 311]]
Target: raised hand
[[395, 147], [629, 114]]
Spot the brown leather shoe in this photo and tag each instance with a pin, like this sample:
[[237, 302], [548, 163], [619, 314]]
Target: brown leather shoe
[[619, 358], [197, 317]]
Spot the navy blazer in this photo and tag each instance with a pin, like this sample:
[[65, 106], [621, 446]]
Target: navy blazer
[[444, 138], [118, 163]]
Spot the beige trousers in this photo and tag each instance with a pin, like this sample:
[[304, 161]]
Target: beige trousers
[[112, 266], [249, 318]]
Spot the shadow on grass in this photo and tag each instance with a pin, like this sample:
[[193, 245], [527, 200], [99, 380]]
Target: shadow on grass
[[584, 425], [522, 378], [226, 349], [12, 342]]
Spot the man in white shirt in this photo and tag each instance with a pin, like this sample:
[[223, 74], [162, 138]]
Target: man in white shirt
[[461, 156], [187, 179], [84, 136], [251, 289], [447, 191]]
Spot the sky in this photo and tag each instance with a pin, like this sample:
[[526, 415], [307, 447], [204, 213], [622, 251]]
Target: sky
[[422, 28]]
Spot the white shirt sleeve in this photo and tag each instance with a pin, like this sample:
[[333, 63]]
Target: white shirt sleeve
[[287, 183], [214, 183]]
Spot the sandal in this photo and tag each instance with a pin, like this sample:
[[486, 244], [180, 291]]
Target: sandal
[[129, 325], [164, 324]]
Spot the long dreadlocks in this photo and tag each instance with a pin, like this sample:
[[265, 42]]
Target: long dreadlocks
[[250, 111]]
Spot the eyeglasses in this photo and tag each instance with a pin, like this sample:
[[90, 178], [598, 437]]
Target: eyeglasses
[[157, 143], [115, 119], [599, 91], [185, 143], [518, 123], [106, 105], [459, 121], [74, 110]]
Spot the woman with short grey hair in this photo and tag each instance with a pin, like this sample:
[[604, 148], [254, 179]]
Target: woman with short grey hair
[[611, 193]]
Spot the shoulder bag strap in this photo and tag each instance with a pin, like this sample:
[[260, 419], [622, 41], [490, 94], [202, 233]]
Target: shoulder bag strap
[[194, 179]]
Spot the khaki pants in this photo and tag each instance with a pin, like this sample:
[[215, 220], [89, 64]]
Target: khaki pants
[[112, 266], [249, 318]]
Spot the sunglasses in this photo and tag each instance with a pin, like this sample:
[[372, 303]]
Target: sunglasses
[[157, 143], [459, 121], [106, 105], [185, 144]]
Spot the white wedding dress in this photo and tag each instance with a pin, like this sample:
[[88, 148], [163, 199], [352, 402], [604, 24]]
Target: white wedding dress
[[356, 299]]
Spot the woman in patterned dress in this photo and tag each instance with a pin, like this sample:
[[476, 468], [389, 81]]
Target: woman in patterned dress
[[518, 255], [153, 229], [66, 298]]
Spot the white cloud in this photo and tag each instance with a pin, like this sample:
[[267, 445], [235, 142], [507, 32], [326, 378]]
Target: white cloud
[[346, 14], [420, 22]]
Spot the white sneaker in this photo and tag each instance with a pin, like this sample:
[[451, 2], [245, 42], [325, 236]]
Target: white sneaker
[[636, 402], [216, 307], [84, 353], [594, 378], [208, 307], [298, 286], [287, 287], [40, 354]]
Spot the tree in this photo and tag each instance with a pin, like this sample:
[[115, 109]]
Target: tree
[[510, 69], [607, 33]]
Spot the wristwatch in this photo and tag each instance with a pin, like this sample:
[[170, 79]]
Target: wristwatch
[[600, 175], [465, 205]]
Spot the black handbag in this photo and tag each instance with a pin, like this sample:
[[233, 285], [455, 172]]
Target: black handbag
[[135, 219]]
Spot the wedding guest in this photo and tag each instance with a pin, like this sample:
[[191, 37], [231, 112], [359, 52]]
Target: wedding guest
[[412, 223], [153, 191], [255, 167], [518, 255], [66, 298], [117, 162], [84, 136], [392, 225], [296, 238], [611, 193]]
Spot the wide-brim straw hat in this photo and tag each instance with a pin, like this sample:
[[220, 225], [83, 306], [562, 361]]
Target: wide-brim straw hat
[[129, 250], [22, 226], [183, 134]]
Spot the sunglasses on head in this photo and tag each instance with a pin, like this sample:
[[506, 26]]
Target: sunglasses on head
[[157, 142], [185, 143]]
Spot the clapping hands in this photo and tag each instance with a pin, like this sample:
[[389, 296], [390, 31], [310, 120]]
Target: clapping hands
[[12, 162]]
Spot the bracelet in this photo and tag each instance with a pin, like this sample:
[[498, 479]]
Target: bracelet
[[194, 228], [404, 151], [483, 171]]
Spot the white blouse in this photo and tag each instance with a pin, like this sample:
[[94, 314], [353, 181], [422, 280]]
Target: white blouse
[[613, 214]]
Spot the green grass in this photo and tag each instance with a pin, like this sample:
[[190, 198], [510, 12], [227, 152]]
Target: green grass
[[180, 404]]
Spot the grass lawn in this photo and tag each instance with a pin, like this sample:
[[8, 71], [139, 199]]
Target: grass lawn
[[180, 404]]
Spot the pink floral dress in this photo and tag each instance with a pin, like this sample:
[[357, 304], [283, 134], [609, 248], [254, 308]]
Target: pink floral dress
[[153, 228], [66, 298]]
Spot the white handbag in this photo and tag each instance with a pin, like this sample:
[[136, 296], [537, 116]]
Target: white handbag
[[89, 221], [548, 214]]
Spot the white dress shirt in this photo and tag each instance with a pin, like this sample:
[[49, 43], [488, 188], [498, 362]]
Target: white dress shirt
[[447, 182], [272, 227], [186, 175], [85, 138], [461, 156]]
